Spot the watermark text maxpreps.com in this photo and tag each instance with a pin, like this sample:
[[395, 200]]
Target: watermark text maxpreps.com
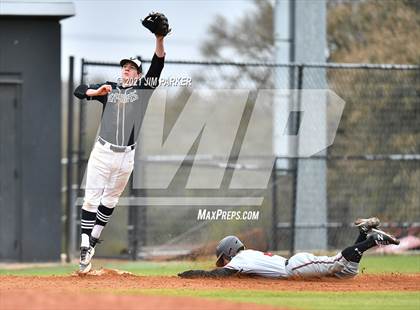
[[227, 215]]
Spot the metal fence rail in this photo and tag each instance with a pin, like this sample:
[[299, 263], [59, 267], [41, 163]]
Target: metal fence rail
[[373, 167]]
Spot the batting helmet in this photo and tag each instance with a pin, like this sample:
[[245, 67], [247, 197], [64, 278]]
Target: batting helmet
[[228, 247]]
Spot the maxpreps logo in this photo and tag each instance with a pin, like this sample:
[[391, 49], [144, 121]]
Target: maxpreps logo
[[205, 135], [219, 214], [115, 97]]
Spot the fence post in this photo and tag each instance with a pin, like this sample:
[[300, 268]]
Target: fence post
[[132, 223], [274, 220], [80, 150], [135, 215], [81, 128], [69, 193], [295, 161]]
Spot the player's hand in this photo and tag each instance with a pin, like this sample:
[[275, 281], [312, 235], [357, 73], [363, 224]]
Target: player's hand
[[189, 274], [104, 90], [184, 274], [101, 91]]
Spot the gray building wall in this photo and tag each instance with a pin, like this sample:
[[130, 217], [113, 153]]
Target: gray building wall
[[30, 49]]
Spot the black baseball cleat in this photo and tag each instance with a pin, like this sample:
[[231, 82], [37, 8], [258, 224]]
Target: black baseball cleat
[[382, 238], [93, 241], [365, 225]]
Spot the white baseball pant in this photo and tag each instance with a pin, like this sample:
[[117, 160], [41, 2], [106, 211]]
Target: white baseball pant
[[107, 175]]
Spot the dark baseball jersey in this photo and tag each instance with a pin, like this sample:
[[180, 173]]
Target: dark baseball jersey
[[124, 107]]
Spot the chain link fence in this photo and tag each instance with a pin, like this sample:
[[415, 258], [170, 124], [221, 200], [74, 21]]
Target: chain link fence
[[372, 169]]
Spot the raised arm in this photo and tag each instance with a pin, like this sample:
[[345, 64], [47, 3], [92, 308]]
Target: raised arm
[[158, 61], [158, 24], [160, 49], [215, 273]]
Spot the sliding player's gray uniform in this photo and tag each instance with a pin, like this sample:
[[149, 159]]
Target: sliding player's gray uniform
[[232, 258], [301, 264]]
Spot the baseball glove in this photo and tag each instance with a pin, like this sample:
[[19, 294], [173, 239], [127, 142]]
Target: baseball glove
[[157, 23]]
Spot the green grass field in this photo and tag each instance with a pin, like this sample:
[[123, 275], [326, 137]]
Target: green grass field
[[295, 300], [369, 264], [300, 300]]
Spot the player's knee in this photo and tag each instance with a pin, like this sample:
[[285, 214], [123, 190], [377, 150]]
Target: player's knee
[[92, 198], [90, 207], [109, 202], [349, 271], [336, 267], [346, 274], [352, 269]]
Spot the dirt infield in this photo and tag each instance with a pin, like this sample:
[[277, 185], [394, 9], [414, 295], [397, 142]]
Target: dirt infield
[[65, 292], [27, 300]]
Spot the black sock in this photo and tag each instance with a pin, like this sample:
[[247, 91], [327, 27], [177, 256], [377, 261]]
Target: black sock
[[103, 215], [87, 221], [362, 237], [354, 253]]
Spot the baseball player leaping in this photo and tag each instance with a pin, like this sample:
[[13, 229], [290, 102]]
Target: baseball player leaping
[[234, 258], [112, 159]]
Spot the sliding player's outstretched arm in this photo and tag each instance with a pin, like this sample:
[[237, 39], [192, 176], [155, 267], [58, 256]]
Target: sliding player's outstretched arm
[[215, 273]]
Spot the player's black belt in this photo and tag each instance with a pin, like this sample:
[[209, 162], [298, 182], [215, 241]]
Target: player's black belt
[[116, 148]]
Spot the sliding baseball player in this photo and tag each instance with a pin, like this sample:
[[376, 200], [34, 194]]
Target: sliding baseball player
[[233, 258], [112, 159]]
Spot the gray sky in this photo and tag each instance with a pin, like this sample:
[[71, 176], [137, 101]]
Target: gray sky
[[108, 30]]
